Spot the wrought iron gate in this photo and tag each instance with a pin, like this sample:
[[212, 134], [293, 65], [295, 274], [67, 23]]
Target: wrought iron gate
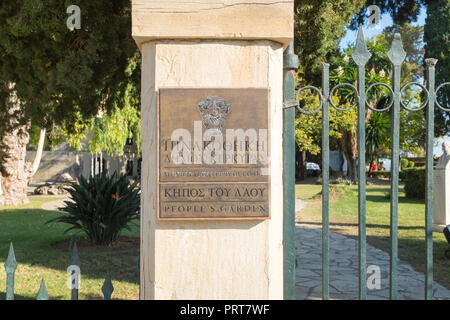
[[360, 56]]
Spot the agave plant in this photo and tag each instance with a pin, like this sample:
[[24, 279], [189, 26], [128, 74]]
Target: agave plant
[[101, 206]]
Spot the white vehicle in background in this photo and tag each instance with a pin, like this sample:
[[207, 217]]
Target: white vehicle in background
[[312, 169]]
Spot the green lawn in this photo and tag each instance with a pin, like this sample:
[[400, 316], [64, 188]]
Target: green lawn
[[411, 232], [32, 239]]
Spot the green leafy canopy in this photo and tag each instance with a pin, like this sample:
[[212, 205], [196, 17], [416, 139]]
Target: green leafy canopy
[[62, 76]]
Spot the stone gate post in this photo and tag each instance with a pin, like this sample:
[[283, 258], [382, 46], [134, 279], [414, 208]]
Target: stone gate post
[[212, 230], [441, 195]]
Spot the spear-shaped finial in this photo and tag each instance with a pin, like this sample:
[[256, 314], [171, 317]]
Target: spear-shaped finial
[[10, 267], [42, 294], [397, 54], [11, 263], [361, 55], [107, 287], [74, 268]]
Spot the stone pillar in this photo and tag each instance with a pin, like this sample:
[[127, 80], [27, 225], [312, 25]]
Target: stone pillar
[[220, 44], [441, 195]]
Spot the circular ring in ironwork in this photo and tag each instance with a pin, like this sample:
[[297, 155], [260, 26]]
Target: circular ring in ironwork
[[320, 97], [424, 90], [383, 85], [339, 86], [437, 90]]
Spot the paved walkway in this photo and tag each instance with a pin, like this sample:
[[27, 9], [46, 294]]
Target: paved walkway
[[344, 269], [54, 205]]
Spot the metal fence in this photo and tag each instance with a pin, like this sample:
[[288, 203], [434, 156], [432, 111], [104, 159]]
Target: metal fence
[[74, 267], [360, 56]]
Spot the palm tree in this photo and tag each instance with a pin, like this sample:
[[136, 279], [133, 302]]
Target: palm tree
[[377, 126]]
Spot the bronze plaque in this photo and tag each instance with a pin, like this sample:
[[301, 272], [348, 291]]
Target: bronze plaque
[[213, 153]]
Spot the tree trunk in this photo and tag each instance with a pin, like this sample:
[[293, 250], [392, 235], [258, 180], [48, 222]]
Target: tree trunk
[[40, 148], [14, 137], [352, 168], [14, 171], [349, 147], [301, 164], [341, 158]]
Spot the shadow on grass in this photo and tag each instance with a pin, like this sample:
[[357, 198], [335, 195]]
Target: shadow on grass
[[384, 199], [368, 225], [33, 240], [377, 189], [20, 297]]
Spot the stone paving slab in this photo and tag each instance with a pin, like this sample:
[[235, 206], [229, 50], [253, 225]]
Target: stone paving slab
[[344, 270]]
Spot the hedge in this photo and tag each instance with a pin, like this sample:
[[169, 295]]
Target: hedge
[[380, 174], [414, 182], [404, 163]]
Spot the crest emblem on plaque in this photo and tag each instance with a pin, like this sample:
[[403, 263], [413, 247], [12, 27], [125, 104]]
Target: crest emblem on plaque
[[214, 111]]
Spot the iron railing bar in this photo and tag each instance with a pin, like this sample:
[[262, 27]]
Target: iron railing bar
[[395, 146], [362, 184], [361, 56], [396, 55], [325, 184], [431, 63], [290, 63]]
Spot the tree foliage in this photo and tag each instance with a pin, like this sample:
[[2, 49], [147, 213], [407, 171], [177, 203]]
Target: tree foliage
[[437, 39], [111, 132], [378, 70], [61, 76], [319, 25], [401, 11]]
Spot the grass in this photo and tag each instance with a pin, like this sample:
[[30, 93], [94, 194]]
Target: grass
[[411, 230], [32, 239]]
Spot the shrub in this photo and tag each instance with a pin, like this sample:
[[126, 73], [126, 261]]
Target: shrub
[[381, 174], [411, 164], [414, 182], [404, 163], [101, 207]]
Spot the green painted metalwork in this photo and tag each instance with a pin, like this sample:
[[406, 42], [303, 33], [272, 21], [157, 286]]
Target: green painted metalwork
[[42, 294], [325, 184], [361, 56], [107, 287], [75, 261], [396, 55], [290, 64], [431, 64], [10, 267]]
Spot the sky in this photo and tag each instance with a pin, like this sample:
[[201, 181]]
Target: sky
[[386, 21]]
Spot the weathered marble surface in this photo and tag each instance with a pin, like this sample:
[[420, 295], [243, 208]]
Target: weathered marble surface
[[211, 259], [211, 43], [213, 19], [441, 193]]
